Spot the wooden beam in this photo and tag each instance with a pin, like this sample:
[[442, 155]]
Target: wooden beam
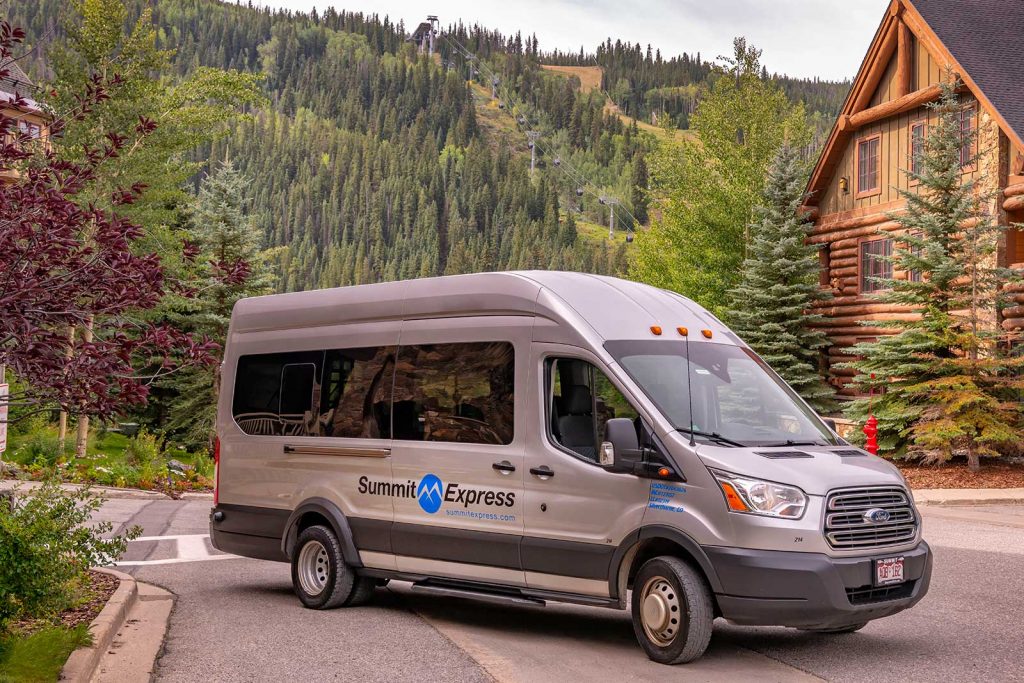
[[904, 61], [1014, 203], [893, 107], [876, 69]]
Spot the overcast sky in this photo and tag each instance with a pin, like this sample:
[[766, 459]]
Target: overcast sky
[[825, 38]]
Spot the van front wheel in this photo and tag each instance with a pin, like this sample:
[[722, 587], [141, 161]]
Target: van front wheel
[[672, 611], [320, 576]]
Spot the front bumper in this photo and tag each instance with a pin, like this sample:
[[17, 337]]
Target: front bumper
[[811, 590]]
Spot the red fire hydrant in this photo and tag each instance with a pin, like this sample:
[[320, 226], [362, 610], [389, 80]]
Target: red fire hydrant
[[871, 431]]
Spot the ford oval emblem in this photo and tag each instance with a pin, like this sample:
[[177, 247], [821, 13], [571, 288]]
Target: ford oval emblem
[[876, 516]]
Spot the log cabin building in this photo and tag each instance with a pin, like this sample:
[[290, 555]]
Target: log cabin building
[[30, 117], [856, 182]]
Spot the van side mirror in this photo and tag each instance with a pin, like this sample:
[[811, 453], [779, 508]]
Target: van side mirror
[[621, 448]]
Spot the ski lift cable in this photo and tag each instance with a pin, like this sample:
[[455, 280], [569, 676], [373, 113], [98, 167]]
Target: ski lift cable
[[578, 177]]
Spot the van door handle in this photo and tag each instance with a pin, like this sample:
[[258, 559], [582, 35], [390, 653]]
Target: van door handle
[[505, 467], [542, 471]]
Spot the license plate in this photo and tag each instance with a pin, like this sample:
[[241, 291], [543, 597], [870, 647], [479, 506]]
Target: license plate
[[888, 570]]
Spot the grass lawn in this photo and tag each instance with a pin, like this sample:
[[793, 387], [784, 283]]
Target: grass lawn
[[41, 655]]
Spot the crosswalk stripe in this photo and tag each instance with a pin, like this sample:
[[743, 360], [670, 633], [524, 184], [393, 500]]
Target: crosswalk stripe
[[189, 547]]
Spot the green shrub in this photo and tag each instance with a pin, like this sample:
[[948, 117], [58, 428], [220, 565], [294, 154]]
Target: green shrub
[[47, 544], [41, 449], [144, 449]]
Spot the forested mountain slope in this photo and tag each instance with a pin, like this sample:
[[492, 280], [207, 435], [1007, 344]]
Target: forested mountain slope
[[371, 162]]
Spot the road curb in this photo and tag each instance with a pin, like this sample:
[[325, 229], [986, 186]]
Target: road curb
[[108, 492], [954, 497], [82, 664]]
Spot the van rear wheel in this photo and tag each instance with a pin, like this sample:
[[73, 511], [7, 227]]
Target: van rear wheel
[[672, 611], [320, 576]]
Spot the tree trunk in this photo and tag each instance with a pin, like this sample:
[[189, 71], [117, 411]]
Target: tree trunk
[[62, 420], [83, 420], [973, 462]]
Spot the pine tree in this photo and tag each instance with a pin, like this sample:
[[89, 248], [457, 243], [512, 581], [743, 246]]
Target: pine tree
[[944, 382], [228, 243], [639, 191], [769, 309]]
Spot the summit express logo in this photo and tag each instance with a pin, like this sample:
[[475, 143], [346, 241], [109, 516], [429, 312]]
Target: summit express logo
[[431, 493]]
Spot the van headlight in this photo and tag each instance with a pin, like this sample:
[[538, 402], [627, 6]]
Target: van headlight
[[759, 497]]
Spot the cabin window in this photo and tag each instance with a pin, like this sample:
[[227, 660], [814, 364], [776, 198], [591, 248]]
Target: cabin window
[[33, 130], [868, 150], [968, 135], [875, 264], [581, 400], [460, 393], [915, 275], [917, 132]]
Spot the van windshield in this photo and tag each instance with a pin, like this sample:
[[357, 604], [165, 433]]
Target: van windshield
[[737, 399]]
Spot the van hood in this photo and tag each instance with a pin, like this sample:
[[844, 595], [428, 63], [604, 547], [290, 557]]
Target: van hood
[[817, 471]]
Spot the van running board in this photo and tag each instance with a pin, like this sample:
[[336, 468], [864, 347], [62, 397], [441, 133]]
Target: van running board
[[476, 594]]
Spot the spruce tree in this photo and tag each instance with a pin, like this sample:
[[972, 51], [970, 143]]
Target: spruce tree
[[943, 383], [230, 265], [770, 308]]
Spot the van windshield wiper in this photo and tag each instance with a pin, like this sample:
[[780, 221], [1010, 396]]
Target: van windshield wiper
[[712, 436], [790, 442]]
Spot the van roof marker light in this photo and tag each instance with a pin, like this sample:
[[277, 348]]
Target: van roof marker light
[[706, 333], [656, 330], [682, 331]]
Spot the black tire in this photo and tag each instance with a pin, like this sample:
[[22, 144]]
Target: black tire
[[335, 578], [681, 612], [853, 628], [362, 591]]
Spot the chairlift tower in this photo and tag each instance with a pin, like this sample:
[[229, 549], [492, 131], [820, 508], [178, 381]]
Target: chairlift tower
[[532, 136], [611, 203], [435, 24]]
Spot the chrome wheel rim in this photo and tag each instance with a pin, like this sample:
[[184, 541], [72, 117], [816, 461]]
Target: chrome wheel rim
[[660, 612], [313, 568]]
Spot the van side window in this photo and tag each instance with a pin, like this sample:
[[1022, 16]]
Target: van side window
[[275, 393], [462, 393], [581, 401], [357, 393]]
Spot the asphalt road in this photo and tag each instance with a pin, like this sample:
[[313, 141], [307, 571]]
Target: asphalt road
[[237, 620]]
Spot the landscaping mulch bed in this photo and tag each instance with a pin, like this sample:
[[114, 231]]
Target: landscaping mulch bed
[[103, 586], [955, 475]]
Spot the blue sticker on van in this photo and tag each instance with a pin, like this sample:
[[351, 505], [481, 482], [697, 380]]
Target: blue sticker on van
[[664, 496], [429, 493]]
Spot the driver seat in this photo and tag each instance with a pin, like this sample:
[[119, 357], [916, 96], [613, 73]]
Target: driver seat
[[576, 424]]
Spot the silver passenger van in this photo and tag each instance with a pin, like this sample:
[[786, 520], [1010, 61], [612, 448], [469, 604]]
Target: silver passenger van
[[534, 436]]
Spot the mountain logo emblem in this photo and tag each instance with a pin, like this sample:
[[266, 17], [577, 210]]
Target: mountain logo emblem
[[430, 493]]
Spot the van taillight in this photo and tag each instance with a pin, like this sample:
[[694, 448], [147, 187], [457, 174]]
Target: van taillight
[[216, 468]]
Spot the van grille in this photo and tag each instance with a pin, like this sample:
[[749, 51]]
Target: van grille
[[846, 528]]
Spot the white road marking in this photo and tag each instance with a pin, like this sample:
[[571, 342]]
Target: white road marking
[[190, 548]]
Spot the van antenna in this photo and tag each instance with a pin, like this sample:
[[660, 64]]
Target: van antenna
[[689, 386]]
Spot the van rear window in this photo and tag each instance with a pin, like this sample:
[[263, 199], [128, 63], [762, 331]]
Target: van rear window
[[340, 393]]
